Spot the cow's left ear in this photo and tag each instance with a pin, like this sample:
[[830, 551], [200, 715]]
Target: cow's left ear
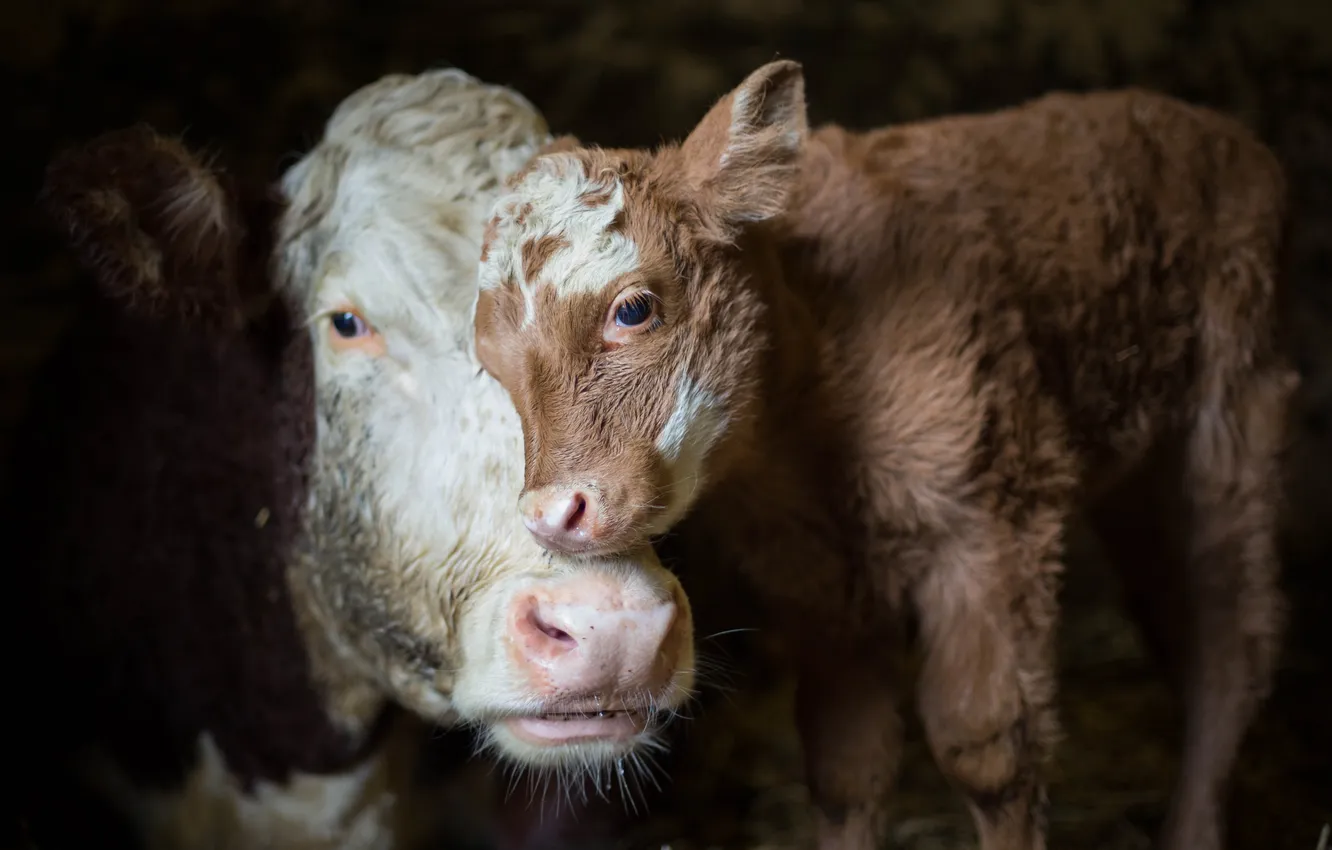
[[160, 229]]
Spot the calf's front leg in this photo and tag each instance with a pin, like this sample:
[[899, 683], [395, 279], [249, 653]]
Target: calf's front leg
[[988, 612], [847, 718], [846, 696]]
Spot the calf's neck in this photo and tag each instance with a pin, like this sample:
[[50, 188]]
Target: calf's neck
[[879, 371]]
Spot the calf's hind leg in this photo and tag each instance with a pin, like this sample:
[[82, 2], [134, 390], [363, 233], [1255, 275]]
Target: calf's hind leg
[[1234, 612], [1141, 524], [988, 613]]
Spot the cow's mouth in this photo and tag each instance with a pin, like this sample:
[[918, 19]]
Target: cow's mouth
[[570, 727]]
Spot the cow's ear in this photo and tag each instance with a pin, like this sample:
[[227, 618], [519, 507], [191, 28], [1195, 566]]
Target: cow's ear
[[160, 229]]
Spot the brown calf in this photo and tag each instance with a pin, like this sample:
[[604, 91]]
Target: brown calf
[[879, 371]]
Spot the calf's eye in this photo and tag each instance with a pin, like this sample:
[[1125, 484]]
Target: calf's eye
[[348, 325], [634, 311]]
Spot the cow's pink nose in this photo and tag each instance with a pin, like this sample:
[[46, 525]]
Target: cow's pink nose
[[592, 637], [564, 519]]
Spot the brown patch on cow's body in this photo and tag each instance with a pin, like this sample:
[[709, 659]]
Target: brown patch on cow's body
[[959, 333]]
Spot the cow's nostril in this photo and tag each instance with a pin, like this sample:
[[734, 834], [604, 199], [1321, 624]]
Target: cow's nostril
[[550, 631]]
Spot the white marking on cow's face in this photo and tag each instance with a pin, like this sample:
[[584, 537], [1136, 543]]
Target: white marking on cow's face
[[697, 421], [419, 456], [211, 811], [558, 200]]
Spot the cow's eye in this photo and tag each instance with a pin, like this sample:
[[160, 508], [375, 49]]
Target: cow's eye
[[348, 329], [348, 325]]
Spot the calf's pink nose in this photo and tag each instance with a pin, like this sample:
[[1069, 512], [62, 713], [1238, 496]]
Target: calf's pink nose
[[564, 519], [584, 638]]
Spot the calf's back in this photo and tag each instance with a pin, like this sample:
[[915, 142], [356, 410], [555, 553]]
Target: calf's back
[[1115, 253]]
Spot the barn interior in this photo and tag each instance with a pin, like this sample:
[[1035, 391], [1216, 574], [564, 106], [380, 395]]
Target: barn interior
[[255, 82]]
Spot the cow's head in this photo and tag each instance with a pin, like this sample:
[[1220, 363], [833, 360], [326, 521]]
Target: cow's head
[[416, 558], [623, 314]]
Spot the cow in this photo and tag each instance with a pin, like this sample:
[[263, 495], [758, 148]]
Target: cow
[[262, 507], [878, 372]]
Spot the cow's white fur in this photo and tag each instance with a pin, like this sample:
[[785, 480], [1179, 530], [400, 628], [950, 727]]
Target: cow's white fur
[[386, 215], [211, 811]]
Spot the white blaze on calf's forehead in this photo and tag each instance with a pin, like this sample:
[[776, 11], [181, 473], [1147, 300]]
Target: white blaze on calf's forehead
[[558, 200]]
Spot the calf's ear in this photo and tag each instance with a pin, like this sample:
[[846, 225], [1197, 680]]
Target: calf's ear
[[743, 157], [158, 228]]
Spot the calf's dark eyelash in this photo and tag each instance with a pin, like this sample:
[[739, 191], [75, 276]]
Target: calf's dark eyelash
[[643, 304]]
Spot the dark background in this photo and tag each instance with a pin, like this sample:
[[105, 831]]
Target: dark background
[[254, 82]]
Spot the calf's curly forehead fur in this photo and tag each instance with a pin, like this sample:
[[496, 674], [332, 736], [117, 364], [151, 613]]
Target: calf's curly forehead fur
[[571, 224]]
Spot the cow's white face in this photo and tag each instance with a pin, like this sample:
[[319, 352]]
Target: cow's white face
[[420, 568]]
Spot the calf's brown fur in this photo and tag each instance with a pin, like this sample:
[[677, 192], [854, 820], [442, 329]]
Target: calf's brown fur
[[928, 346]]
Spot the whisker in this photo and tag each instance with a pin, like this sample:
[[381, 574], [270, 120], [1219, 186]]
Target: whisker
[[725, 632]]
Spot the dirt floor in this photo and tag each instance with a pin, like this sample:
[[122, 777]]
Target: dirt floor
[[255, 86]]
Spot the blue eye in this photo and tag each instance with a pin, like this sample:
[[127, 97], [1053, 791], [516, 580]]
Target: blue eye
[[634, 311], [349, 325]]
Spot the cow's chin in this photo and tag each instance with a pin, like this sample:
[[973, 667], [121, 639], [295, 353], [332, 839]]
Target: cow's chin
[[573, 738]]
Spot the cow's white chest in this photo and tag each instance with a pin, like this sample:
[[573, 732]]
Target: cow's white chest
[[348, 811]]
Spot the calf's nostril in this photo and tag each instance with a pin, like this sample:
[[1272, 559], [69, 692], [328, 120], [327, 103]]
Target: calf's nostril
[[577, 511]]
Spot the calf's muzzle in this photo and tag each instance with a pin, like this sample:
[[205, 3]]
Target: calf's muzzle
[[564, 519], [597, 511]]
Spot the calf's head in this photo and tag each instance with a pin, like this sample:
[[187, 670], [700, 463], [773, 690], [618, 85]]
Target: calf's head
[[614, 310], [412, 576]]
